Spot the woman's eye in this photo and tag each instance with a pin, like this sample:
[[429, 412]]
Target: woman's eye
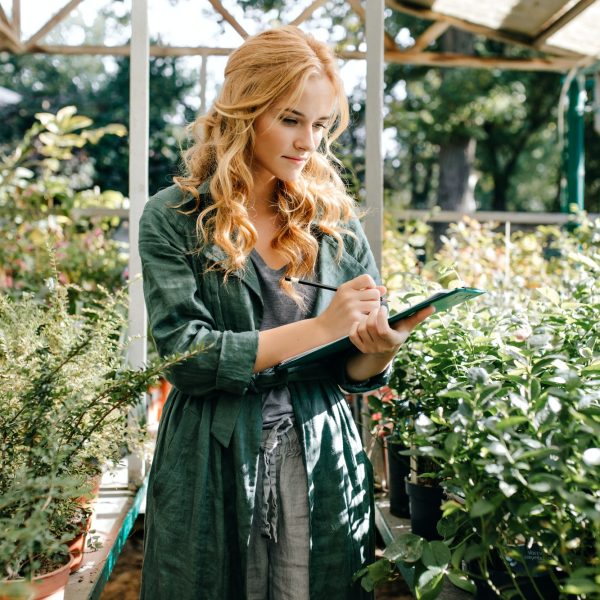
[[288, 121], [320, 125]]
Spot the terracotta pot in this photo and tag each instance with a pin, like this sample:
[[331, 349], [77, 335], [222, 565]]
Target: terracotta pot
[[50, 586], [158, 396], [88, 500], [76, 548]]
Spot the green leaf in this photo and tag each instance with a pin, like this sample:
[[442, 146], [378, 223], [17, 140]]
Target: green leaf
[[510, 422], [535, 388], [454, 394], [66, 112], [580, 585], [474, 551], [460, 580], [550, 294], [457, 555], [429, 584], [436, 554], [450, 507], [480, 508], [407, 547], [451, 442], [376, 573]]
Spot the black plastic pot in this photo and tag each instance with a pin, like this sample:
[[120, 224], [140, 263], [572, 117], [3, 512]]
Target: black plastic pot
[[398, 471], [425, 509], [500, 576]]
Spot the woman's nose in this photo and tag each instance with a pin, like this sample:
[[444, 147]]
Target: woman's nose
[[305, 140]]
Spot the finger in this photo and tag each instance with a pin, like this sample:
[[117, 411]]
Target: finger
[[383, 327], [364, 281], [411, 322], [368, 327], [369, 294], [355, 337]]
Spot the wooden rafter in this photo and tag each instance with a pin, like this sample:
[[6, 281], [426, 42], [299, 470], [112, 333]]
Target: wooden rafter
[[437, 59], [16, 18], [229, 17], [93, 50], [388, 40], [558, 21], [61, 15], [11, 37], [432, 33], [508, 37], [447, 59], [307, 12]]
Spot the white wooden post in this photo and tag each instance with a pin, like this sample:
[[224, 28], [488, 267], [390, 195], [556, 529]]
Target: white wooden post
[[139, 84], [203, 69], [374, 180], [374, 127]]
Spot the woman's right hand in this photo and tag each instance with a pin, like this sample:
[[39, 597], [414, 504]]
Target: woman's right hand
[[353, 302]]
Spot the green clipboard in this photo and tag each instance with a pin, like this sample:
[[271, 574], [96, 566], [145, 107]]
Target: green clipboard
[[440, 300]]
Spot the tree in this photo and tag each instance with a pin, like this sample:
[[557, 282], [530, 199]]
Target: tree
[[99, 87]]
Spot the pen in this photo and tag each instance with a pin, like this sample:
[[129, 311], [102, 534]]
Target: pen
[[311, 283], [322, 286]]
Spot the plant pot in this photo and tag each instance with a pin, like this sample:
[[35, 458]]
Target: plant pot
[[398, 471], [50, 586], [500, 576], [158, 396], [425, 509], [77, 546]]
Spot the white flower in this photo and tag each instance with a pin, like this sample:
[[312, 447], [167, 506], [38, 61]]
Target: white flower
[[591, 457]]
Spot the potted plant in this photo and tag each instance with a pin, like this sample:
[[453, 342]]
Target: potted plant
[[523, 463], [516, 443], [512, 423], [35, 561], [386, 416], [66, 395]]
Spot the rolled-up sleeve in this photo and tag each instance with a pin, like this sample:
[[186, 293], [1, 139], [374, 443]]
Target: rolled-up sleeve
[[179, 318]]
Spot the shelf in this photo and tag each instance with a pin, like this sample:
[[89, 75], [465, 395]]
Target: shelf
[[116, 510]]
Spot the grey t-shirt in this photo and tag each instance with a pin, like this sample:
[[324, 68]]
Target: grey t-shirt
[[279, 309]]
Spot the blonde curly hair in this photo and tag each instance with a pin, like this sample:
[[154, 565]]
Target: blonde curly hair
[[267, 67]]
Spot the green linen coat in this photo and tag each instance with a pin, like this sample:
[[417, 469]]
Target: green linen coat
[[203, 478]]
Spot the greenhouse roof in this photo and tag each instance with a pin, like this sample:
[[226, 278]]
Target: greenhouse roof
[[564, 32], [568, 29]]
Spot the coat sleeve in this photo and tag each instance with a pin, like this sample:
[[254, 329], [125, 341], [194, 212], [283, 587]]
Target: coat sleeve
[[360, 250], [179, 318]]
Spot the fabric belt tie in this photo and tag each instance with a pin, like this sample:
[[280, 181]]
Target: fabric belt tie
[[268, 513]]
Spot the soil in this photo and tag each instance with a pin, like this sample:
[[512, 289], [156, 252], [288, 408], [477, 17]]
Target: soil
[[124, 582]]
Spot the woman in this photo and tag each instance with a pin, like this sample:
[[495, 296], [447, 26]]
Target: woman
[[260, 488]]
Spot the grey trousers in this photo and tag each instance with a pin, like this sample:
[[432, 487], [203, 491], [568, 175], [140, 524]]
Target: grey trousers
[[279, 540]]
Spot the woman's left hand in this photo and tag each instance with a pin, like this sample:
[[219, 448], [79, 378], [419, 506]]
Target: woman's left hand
[[373, 335]]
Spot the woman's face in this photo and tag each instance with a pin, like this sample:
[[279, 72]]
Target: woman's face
[[286, 136]]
